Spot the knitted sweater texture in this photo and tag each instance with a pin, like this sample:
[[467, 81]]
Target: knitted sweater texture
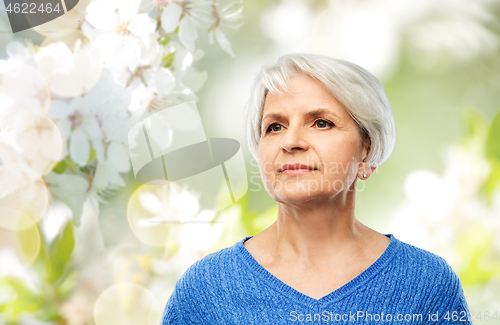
[[405, 285]]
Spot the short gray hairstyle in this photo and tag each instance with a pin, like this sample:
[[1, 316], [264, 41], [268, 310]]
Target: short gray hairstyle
[[361, 94]]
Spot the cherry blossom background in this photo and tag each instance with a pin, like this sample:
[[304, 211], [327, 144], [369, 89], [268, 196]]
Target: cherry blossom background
[[71, 89]]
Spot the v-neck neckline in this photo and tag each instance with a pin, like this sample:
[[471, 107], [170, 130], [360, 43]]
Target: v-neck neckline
[[335, 295]]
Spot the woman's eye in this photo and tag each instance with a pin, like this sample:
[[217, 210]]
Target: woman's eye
[[275, 127], [323, 124]]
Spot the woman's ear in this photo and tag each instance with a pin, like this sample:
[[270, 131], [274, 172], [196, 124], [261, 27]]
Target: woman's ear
[[366, 148]]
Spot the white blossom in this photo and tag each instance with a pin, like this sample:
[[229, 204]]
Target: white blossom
[[99, 119], [78, 124], [23, 83], [29, 137], [188, 33], [229, 16], [69, 73], [73, 190], [95, 93], [170, 17], [223, 42], [123, 28]]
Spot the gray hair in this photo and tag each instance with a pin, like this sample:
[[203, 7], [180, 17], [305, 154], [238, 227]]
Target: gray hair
[[361, 94]]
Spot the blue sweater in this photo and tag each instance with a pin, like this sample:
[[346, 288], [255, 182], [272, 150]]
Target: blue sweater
[[405, 285]]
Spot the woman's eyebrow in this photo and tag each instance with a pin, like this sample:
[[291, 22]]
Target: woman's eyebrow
[[276, 116], [312, 113], [321, 111]]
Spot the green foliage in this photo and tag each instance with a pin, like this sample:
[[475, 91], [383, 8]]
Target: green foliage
[[133, 183], [247, 217], [61, 166], [29, 239], [476, 246], [164, 40], [91, 155], [492, 151], [240, 222], [250, 223], [64, 164], [494, 179], [476, 125], [60, 252], [254, 222], [56, 282], [53, 258], [67, 284], [168, 59], [25, 300], [493, 140]]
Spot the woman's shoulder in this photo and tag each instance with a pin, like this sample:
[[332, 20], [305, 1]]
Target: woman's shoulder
[[425, 264], [431, 278], [414, 254]]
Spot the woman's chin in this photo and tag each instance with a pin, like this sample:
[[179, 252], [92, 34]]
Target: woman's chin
[[298, 196]]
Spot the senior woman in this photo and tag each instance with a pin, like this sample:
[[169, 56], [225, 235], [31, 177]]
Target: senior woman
[[316, 125]]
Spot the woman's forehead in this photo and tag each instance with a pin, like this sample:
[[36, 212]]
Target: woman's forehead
[[308, 105], [299, 86]]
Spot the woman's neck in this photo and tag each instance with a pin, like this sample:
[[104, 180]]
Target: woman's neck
[[318, 230]]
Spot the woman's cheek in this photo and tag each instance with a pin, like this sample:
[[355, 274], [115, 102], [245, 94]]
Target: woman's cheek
[[268, 183]]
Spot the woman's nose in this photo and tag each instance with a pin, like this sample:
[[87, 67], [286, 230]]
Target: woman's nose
[[294, 138]]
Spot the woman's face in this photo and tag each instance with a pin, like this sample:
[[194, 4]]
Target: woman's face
[[309, 127]]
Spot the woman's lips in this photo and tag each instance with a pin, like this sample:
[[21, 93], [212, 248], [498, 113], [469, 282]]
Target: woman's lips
[[300, 171], [296, 169]]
